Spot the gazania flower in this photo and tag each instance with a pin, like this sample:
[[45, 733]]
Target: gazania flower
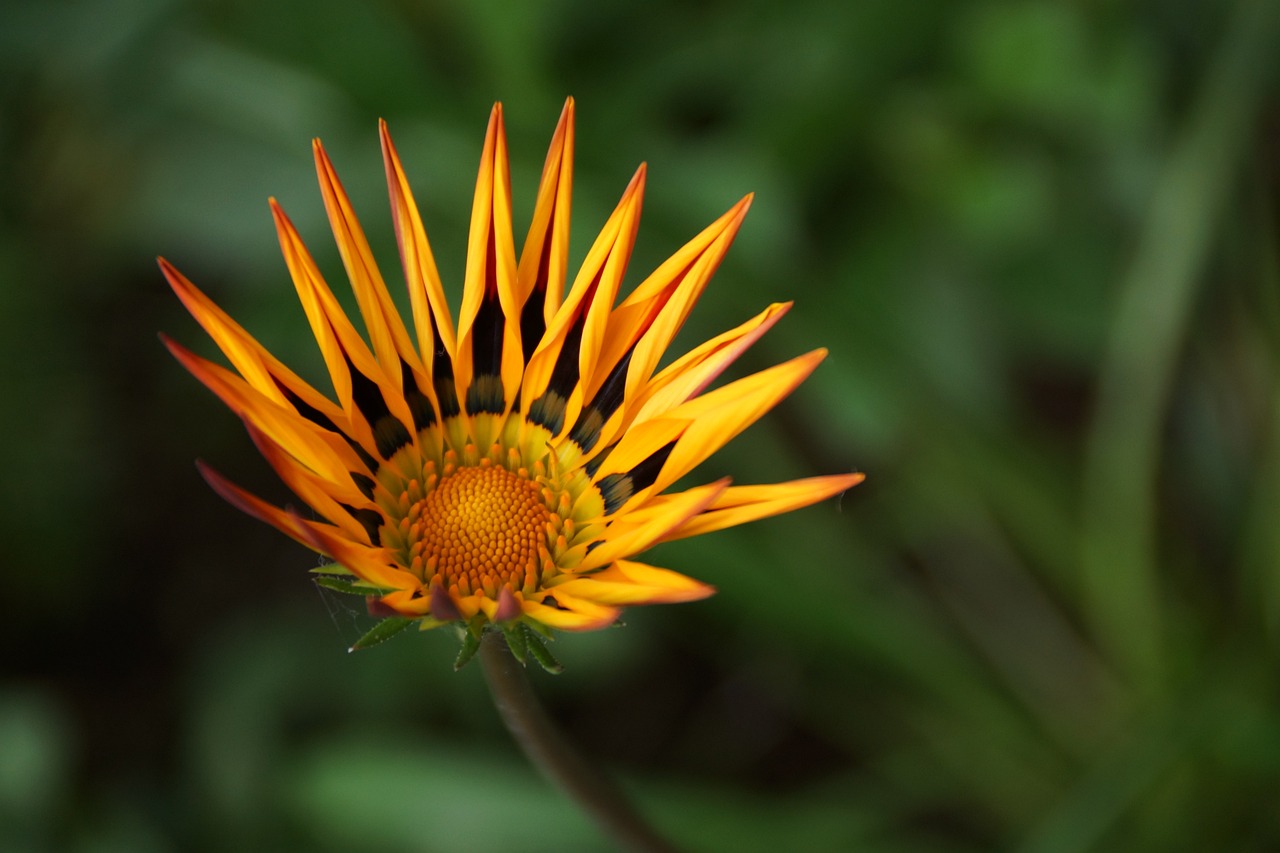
[[506, 468]]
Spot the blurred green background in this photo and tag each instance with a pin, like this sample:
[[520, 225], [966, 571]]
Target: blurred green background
[[1040, 240]]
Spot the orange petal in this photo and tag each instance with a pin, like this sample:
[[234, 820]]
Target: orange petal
[[629, 583], [691, 374], [613, 266], [594, 290], [673, 288], [381, 318], [582, 616], [741, 504], [368, 564], [338, 339], [251, 504], [327, 498], [410, 603], [491, 264], [544, 260], [718, 416], [622, 540], [426, 292], [284, 425], [639, 443]]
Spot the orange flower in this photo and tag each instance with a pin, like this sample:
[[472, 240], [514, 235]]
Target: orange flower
[[504, 470]]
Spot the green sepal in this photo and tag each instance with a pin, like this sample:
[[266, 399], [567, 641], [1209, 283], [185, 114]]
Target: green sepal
[[542, 654], [338, 584], [381, 632], [539, 628], [470, 645], [332, 569], [516, 635]]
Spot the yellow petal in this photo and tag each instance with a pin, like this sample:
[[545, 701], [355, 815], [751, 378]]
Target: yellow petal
[[741, 504], [718, 416], [584, 616], [630, 583], [368, 564], [639, 443], [382, 320], [410, 603], [426, 292], [329, 499], [253, 505], [623, 540], [613, 268], [283, 425], [263, 371], [491, 265], [691, 374], [594, 290], [544, 260], [684, 276], [337, 338]]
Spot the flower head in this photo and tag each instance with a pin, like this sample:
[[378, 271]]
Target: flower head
[[506, 469]]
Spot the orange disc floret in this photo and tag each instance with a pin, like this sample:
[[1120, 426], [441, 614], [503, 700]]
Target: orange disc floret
[[480, 529]]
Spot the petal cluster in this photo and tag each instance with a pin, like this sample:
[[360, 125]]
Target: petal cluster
[[505, 468]]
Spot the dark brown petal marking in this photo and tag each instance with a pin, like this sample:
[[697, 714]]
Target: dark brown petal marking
[[424, 415], [548, 409], [617, 488], [586, 432], [532, 323], [389, 435], [370, 519], [442, 376], [321, 420], [364, 483], [486, 393]]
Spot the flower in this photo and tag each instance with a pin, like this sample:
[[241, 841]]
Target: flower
[[504, 470]]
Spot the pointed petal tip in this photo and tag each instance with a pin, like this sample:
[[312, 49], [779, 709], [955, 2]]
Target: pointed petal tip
[[635, 187], [170, 344], [442, 606], [508, 606], [184, 356], [324, 166], [849, 481], [177, 281], [224, 488], [277, 212], [378, 609], [495, 115]]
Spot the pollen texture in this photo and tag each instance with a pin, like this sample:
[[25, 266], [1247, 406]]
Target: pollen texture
[[480, 529]]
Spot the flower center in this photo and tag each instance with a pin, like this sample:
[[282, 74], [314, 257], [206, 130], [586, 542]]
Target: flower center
[[480, 529]]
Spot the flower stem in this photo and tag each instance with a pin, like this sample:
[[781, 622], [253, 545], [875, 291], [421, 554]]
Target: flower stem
[[555, 757]]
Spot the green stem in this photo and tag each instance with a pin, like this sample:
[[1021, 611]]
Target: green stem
[[554, 756]]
